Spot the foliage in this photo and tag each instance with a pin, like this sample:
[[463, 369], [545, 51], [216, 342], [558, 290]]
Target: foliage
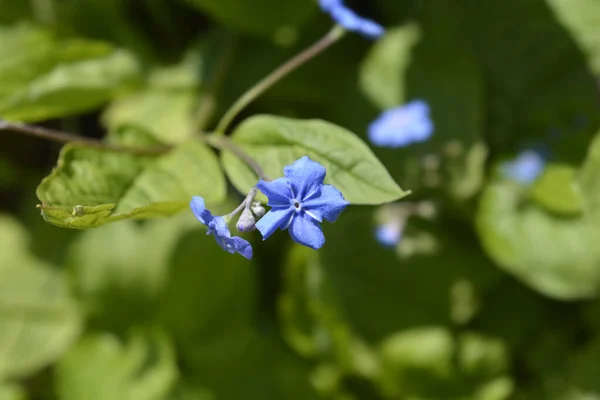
[[488, 292]]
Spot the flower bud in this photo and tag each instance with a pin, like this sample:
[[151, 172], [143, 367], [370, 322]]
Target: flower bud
[[257, 209], [247, 222]]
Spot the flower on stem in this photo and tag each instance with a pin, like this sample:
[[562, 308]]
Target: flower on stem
[[351, 21], [300, 202], [217, 226], [402, 126], [525, 168]]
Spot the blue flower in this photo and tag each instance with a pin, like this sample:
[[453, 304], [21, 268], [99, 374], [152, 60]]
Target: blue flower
[[525, 168], [350, 20], [389, 234], [300, 201], [402, 126], [218, 228]]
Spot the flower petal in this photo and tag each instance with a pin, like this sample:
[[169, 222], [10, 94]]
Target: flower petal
[[305, 175], [199, 209], [277, 191], [328, 205], [275, 218], [220, 227], [242, 246], [306, 231]]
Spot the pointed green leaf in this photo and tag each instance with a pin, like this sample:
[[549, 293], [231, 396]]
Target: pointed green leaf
[[554, 255], [557, 190], [91, 187], [38, 318], [101, 367], [275, 142], [42, 77], [589, 181]]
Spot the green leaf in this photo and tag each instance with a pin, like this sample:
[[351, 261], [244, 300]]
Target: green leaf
[[91, 187], [554, 255], [557, 190], [164, 108], [383, 73], [275, 142], [44, 78], [431, 363], [142, 368], [121, 287], [582, 19], [11, 392], [263, 17], [38, 318], [589, 182]]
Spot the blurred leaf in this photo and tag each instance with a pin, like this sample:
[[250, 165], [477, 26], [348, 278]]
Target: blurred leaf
[[263, 17], [549, 84], [557, 191], [210, 306], [589, 182], [378, 287], [11, 392], [101, 366], [118, 271], [275, 142], [383, 74], [91, 187], [44, 78], [554, 255], [430, 363], [39, 320], [582, 19], [165, 107]]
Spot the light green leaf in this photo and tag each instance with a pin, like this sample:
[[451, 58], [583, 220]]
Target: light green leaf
[[165, 108], [554, 255], [11, 392], [91, 187], [38, 319], [263, 17], [557, 190], [383, 73], [430, 363], [582, 20], [589, 182], [101, 367], [44, 78], [275, 142]]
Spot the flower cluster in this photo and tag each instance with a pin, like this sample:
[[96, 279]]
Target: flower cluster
[[299, 202], [351, 21]]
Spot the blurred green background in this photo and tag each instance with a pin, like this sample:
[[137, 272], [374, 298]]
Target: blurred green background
[[491, 293]]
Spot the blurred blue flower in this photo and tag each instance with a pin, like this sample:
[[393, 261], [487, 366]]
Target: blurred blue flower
[[402, 126], [300, 201], [218, 228], [389, 234], [350, 20], [525, 168]]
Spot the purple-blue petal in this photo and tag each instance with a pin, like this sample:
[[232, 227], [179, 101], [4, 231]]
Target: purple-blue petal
[[277, 191], [525, 168], [402, 126], [305, 176], [351, 21], [306, 231], [328, 5], [388, 234], [199, 209], [220, 227], [371, 29], [328, 205], [242, 246], [275, 218]]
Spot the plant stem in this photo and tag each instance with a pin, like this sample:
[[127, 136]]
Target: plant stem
[[330, 38], [224, 143], [64, 137]]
